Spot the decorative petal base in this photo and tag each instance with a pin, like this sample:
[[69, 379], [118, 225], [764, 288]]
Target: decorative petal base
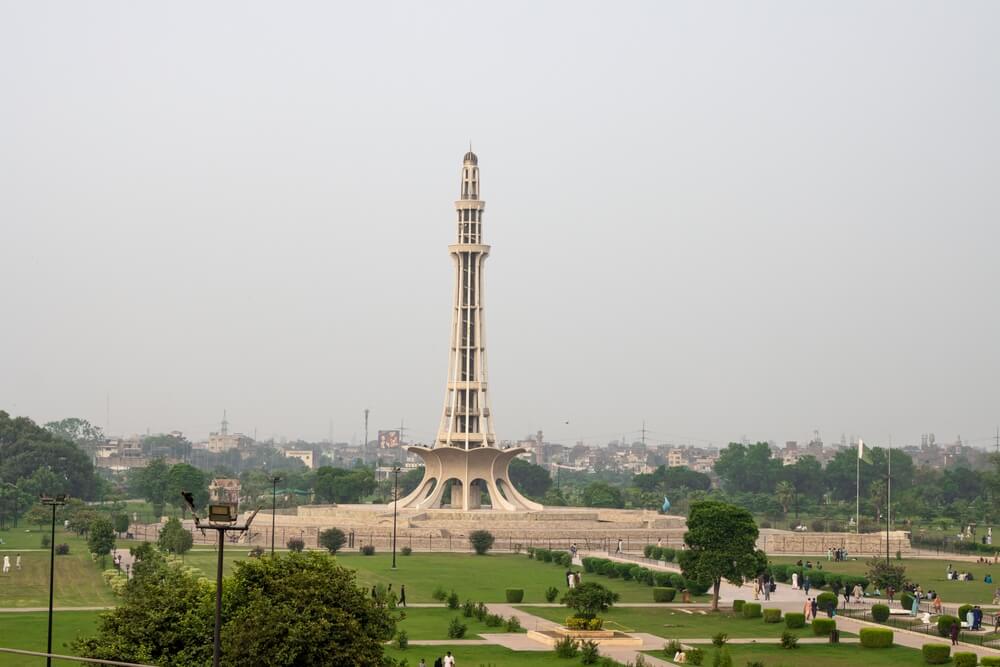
[[470, 471]]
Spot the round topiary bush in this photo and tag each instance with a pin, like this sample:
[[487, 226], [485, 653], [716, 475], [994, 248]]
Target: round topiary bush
[[697, 587], [647, 550], [823, 626], [944, 624], [751, 610], [514, 594], [880, 612], [876, 637], [738, 605], [963, 611], [817, 578], [772, 615], [664, 594], [826, 602], [481, 540], [936, 654], [661, 579], [667, 554], [905, 600], [965, 659], [795, 620]]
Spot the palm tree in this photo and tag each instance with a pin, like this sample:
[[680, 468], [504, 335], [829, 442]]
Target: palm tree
[[784, 493]]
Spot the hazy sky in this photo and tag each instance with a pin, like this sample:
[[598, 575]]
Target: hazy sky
[[727, 219]]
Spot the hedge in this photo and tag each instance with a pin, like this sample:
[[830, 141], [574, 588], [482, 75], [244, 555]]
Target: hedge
[[667, 554], [965, 659], [738, 605], [905, 600], [876, 637], [880, 612], [964, 610], [990, 661], [624, 570], [780, 573], [823, 626], [944, 624], [795, 620], [936, 654], [772, 615], [664, 594], [826, 601], [514, 594], [647, 550], [751, 610], [697, 587], [661, 579]]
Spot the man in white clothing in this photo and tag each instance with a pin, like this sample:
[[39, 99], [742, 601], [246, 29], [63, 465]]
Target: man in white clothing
[[449, 660], [6, 564]]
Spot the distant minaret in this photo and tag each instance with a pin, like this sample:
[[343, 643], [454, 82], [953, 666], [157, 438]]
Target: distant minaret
[[225, 424], [466, 420]]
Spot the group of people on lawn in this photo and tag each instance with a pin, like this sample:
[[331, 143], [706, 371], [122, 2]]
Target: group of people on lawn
[[6, 563]]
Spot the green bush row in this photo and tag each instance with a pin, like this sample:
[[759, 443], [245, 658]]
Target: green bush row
[[818, 578], [654, 552], [824, 626], [874, 637], [936, 654], [632, 572]]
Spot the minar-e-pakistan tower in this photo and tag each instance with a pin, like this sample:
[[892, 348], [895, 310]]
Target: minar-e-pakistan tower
[[465, 452]]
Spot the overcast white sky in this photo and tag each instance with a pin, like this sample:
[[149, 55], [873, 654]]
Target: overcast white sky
[[727, 219]]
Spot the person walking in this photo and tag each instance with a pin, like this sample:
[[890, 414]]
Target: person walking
[[795, 580], [449, 660], [421, 663], [829, 554], [858, 593], [806, 584], [767, 587], [402, 595], [17, 562], [618, 550], [807, 609], [953, 633], [815, 607], [936, 605], [6, 564]]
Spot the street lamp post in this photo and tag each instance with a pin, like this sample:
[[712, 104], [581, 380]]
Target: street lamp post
[[222, 518], [274, 505], [395, 502], [54, 503]]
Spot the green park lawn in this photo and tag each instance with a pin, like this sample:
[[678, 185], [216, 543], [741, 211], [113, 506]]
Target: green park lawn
[[675, 624], [27, 631], [930, 574], [815, 655], [78, 581], [432, 623]]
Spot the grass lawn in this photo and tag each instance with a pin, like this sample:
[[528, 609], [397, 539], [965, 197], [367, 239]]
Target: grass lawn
[[675, 624], [486, 656], [930, 574], [432, 623], [816, 655], [78, 581], [27, 631]]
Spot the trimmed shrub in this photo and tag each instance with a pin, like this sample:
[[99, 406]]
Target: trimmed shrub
[[333, 539], [563, 558], [551, 593], [368, 550], [406, 551], [906, 600], [695, 656], [963, 611], [880, 612], [610, 569], [817, 578], [667, 554], [936, 654], [826, 601], [945, 622], [678, 581], [544, 554], [647, 550], [661, 579], [62, 549], [789, 640], [513, 625], [824, 626], [738, 605], [751, 610], [876, 637], [794, 619], [296, 544], [772, 615], [452, 602], [664, 594], [588, 563], [780, 573], [481, 540], [514, 595], [624, 570], [402, 640], [493, 620], [965, 659], [990, 661], [635, 572]]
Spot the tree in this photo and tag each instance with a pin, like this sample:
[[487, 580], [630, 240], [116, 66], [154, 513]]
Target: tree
[[101, 538], [589, 599], [120, 522], [747, 468], [78, 431], [602, 494], [184, 477], [151, 483], [784, 493], [481, 540], [302, 609], [175, 538], [26, 449], [722, 543], [408, 480], [530, 479], [332, 539], [338, 485], [884, 574]]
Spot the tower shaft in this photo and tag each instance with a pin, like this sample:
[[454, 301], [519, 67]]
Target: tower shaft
[[466, 419]]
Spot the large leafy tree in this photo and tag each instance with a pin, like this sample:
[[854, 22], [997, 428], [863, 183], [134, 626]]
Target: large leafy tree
[[589, 599], [76, 430], [152, 484], [184, 477], [26, 448], [747, 468], [530, 479], [602, 494], [101, 538], [175, 538], [343, 486], [721, 544]]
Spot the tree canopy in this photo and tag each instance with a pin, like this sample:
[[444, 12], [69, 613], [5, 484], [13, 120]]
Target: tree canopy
[[30, 452], [722, 543], [530, 479]]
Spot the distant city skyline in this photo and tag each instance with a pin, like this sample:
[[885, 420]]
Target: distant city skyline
[[725, 219]]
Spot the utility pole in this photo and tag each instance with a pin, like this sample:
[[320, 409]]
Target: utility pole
[[643, 432], [366, 430]]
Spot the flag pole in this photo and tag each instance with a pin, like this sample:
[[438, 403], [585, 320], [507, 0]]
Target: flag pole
[[857, 505], [888, 498]]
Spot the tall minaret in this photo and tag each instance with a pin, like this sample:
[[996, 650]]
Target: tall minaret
[[465, 459], [466, 420]]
